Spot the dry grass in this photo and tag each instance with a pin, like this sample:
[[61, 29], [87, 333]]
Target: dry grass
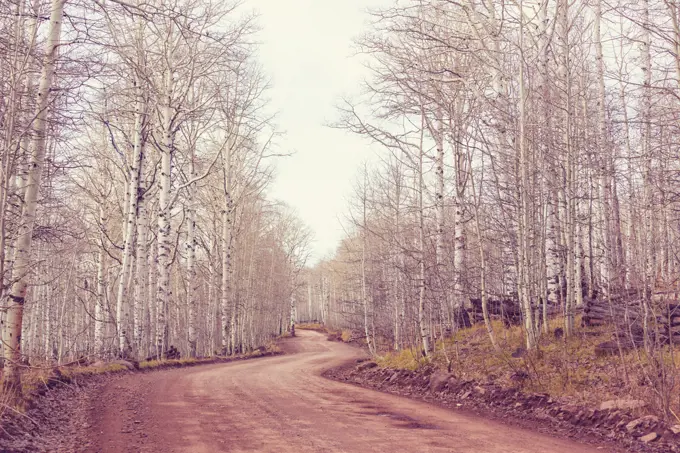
[[566, 369], [344, 335], [405, 359]]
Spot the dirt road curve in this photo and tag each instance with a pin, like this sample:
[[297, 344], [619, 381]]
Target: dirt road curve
[[281, 404]]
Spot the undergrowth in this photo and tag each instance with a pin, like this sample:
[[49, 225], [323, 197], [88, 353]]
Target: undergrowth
[[344, 335], [562, 368]]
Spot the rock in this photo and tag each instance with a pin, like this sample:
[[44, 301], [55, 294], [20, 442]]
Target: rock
[[480, 390], [642, 421], [651, 437], [675, 429], [366, 366], [438, 381], [622, 404], [173, 352]]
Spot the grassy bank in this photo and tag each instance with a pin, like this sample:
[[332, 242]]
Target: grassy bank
[[568, 369], [344, 335]]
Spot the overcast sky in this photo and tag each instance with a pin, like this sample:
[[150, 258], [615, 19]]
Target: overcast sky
[[307, 51]]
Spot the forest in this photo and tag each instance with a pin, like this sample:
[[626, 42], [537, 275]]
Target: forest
[[526, 175], [137, 152], [517, 221]]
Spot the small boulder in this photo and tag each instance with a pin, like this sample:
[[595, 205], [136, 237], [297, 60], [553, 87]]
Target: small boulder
[[651, 437], [675, 429], [366, 366], [641, 422], [438, 381], [622, 404]]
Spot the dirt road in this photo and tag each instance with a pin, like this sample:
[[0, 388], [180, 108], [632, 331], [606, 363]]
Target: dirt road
[[282, 404]]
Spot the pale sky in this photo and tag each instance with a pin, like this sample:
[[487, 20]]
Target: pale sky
[[307, 51]]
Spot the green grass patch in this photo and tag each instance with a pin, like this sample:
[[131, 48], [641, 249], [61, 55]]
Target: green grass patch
[[563, 368]]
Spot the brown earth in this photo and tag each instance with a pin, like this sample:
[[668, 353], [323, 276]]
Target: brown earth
[[282, 404], [276, 404], [617, 429]]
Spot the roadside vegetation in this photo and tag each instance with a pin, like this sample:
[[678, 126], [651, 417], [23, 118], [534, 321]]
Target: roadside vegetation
[[568, 369], [520, 222], [38, 380]]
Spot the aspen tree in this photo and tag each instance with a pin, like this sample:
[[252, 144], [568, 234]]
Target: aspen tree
[[20, 272]]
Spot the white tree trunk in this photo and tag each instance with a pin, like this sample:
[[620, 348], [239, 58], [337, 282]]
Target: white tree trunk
[[164, 218], [645, 139], [421, 246], [22, 247], [440, 261], [228, 319], [603, 150], [524, 262], [225, 306], [100, 312], [292, 319], [152, 288], [141, 278], [192, 281], [129, 228], [459, 238]]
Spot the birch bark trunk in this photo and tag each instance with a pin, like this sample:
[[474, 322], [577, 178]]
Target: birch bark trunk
[[100, 315], [603, 150], [364, 295], [164, 291], [459, 237], [440, 262], [524, 287], [152, 288], [225, 305], [141, 278], [20, 271], [192, 281], [421, 243], [134, 171], [568, 193], [645, 138]]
